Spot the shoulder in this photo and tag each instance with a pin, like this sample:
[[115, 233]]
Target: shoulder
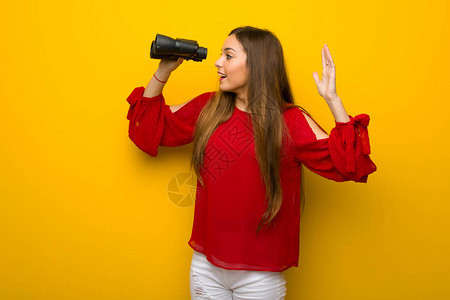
[[300, 121], [199, 100], [318, 131]]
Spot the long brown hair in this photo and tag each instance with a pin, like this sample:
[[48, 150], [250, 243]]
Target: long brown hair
[[268, 95]]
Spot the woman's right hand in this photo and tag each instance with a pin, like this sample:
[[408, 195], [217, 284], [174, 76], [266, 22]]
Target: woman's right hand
[[169, 66]]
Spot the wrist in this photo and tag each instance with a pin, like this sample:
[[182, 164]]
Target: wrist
[[332, 99], [162, 74], [337, 109]]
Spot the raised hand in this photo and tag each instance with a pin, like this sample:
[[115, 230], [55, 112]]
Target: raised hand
[[326, 86]]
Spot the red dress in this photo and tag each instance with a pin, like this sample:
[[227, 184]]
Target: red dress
[[230, 206]]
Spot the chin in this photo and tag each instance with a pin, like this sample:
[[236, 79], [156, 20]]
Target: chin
[[224, 89]]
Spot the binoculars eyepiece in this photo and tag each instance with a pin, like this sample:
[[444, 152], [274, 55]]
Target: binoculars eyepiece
[[164, 47]]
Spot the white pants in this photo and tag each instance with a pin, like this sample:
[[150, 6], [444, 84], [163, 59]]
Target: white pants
[[208, 281]]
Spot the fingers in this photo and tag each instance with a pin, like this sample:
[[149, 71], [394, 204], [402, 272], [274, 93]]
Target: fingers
[[328, 55], [316, 78], [324, 64]]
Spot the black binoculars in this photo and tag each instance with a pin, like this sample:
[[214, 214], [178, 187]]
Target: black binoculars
[[164, 47]]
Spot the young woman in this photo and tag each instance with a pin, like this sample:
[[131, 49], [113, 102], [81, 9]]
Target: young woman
[[249, 144]]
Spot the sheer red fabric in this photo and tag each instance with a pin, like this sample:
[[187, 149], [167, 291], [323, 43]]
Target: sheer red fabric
[[230, 206]]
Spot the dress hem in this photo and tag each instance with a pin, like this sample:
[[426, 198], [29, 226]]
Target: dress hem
[[218, 263]]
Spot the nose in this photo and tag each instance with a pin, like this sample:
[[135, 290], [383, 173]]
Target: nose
[[218, 63]]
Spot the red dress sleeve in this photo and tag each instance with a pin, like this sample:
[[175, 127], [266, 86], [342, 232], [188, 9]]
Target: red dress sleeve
[[152, 123], [343, 156]]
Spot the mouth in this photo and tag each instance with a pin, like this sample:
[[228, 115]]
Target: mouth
[[222, 76]]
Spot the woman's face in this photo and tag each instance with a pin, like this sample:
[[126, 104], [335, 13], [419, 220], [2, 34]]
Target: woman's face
[[232, 63]]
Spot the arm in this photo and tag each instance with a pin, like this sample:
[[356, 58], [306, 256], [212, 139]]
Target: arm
[[339, 113], [153, 123], [341, 156], [165, 68], [174, 108], [344, 154]]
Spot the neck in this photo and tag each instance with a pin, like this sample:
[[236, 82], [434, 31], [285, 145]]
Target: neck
[[241, 101]]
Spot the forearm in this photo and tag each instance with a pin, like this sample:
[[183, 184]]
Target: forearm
[[337, 109], [154, 87]]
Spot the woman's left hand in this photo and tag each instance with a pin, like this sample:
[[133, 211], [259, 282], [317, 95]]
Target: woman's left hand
[[326, 86]]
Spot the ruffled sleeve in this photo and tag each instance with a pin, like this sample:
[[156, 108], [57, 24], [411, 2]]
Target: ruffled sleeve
[[152, 123], [343, 156]]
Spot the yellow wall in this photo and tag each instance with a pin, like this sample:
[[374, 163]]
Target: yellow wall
[[84, 214]]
